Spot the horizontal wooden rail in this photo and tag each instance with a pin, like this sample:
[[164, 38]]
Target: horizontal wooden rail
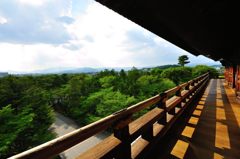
[[130, 138]]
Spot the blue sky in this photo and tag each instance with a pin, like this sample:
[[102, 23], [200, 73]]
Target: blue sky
[[42, 34]]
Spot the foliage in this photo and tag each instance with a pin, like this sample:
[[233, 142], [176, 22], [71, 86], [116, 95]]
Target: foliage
[[156, 71], [182, 60], [201, 69], [103, 103], [25, 122], [178, 74], [150, 85], [11, 126], [107, 81]]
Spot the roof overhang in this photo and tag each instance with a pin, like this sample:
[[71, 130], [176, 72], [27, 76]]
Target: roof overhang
[[206, 27]]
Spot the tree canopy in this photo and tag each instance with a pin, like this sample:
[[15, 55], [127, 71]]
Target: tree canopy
[[183, 60]]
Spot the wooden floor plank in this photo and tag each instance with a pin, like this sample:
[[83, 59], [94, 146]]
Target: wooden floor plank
[[212, 130]]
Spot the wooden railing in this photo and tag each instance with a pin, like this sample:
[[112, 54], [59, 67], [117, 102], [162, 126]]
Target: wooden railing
[[130, 138]]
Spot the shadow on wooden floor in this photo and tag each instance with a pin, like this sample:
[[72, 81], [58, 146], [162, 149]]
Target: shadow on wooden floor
[[210, 129]]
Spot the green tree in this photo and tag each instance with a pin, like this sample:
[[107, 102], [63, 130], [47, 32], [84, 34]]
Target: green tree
[[150, 85], [156, 71], [178, 74], [107, 81], [103, 103], [201, 69], [182, 60], [11, 127], [38, 132], [132, 77]]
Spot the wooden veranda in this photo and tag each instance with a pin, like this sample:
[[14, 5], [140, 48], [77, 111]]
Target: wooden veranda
[[210, 130]]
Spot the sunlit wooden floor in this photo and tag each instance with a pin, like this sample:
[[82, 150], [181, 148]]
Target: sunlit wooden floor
[[212, 130]]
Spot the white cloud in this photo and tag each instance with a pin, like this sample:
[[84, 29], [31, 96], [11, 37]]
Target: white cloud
[[28, 24], [16, 57], [101, 33], [52, 34], [3, 20], [100, 22], [32, 2]]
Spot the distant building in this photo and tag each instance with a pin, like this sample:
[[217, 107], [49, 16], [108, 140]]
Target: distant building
[[3, 74]]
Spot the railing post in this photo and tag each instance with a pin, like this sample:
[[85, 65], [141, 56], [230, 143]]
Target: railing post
[[121, 131], [162, 104], [148, 135], [198, 79], [208, 75], [187, 86], [178, 94], [193, 85]]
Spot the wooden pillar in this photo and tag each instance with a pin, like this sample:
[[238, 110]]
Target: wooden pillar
[[234, 76], [237, 77], [229, 76]]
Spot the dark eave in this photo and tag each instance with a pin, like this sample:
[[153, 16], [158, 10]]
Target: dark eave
[[207, 27]]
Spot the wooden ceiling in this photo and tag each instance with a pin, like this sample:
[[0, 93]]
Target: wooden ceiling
[[207, 27]]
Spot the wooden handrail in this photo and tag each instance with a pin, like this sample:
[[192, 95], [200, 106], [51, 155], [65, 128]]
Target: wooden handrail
[[121, 121]]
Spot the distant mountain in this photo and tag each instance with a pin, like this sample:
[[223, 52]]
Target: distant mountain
[[167, 66], [81, 70], [161, 67], [66, 70], [216, 65], [76, 70], [3, 74], [72, 70]]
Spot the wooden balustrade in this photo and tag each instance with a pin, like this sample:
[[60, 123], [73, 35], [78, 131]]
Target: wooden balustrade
[[130, 138]]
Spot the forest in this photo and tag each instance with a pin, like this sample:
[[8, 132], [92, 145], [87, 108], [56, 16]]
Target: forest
[[28, 103]]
